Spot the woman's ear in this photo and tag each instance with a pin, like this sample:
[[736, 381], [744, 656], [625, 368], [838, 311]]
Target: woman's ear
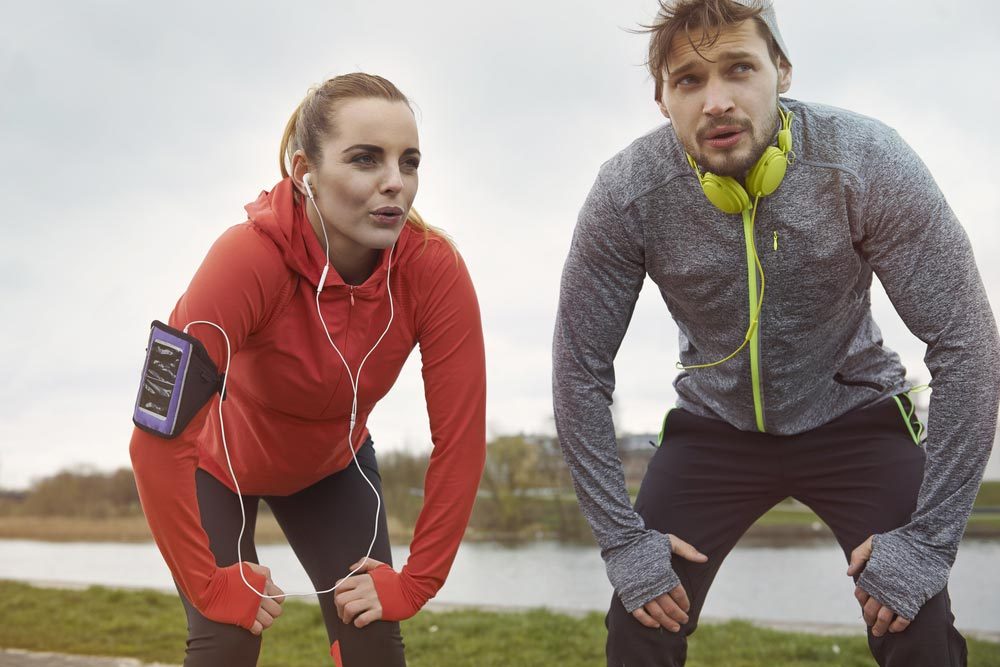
[[300, 167]]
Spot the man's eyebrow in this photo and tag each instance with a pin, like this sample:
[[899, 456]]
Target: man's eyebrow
[[726, 56], [739, 55], [372, 148]]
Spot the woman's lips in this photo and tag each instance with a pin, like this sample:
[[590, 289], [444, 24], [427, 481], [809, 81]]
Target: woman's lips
[[388, 215]]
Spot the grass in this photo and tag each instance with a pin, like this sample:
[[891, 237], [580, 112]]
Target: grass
[[989, 494], [150, 626]]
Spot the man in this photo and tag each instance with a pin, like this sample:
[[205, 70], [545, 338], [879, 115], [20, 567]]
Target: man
[[787, 390]]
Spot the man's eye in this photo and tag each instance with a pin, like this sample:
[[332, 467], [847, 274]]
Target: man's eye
[[743, 68], [687, 81]]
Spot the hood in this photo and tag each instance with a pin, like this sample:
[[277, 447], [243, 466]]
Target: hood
[[280, 215]]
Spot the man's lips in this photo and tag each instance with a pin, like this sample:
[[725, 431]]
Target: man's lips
[[724, 136]]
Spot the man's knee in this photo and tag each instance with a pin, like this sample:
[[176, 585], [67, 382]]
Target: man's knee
[[632, 644], [930, 640]]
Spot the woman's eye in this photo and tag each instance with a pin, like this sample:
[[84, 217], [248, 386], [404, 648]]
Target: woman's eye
[[412, 164], [364, 158]]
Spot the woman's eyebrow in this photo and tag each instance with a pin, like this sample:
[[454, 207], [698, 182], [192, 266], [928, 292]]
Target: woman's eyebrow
[[372, 148]]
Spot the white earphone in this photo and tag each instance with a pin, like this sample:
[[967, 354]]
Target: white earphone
[[354, 379], [309, 191]]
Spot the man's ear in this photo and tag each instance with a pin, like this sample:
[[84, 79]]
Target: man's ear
[[784, 75], [663, 108], [659, 92]]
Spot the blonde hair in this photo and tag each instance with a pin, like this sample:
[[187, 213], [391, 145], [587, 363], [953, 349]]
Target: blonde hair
[[312, 123]]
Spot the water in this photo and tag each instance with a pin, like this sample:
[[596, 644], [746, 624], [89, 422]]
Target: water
[[797, 583]]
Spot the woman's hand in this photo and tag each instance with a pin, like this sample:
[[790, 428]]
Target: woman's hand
[[269, 609], [356, 597]]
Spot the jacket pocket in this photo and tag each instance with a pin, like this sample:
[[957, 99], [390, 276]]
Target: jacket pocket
[[841, 380]]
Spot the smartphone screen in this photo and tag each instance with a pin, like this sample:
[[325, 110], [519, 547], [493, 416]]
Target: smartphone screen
[[159, 380]]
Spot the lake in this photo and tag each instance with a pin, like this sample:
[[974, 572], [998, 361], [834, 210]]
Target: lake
[[804, 583]]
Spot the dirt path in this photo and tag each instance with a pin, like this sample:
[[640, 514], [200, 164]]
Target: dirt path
[[18, 658]]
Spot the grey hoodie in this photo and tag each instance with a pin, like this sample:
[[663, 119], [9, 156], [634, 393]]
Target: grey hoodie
[[856, 200]]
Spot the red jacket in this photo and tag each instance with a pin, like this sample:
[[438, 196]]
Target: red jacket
[[288, 400]]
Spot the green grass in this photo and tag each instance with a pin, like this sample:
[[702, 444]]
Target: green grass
[[150, 626], [989, 494]]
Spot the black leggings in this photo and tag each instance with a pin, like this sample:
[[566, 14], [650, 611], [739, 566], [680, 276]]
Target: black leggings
[[329, 526], [709, 482]]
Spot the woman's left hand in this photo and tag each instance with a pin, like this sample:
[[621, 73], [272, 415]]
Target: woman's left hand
[[356, 597]]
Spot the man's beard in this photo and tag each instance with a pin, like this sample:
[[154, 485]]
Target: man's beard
[[735, 164]]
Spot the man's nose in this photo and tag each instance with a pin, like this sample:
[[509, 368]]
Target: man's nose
[[718, 98]]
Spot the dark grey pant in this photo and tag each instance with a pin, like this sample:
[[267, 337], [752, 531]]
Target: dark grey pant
[[709, 482], [329, 526]]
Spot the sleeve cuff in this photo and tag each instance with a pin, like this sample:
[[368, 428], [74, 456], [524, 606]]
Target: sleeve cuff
[[898, 580], [396, 605], [641, 570], [230, 600]]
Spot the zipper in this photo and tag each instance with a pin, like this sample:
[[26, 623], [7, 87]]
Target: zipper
[[758, 400], [352, 294]]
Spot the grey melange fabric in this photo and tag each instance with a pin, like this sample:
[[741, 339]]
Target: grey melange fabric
[[857, 200]]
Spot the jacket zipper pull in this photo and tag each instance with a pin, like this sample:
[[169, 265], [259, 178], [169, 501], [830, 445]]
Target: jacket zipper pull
[[776, 241], [352, 295]]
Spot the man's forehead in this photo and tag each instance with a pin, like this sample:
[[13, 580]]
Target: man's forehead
[[743, 39]]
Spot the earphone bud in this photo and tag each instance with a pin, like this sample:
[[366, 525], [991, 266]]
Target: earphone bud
[[305, 181]]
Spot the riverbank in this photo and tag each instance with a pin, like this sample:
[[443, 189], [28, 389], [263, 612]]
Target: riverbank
[[780, 526], [149, 626]]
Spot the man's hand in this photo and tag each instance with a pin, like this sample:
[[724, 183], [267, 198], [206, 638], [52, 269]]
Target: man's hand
[[269, 609], [670, 609], [356, 598], [878, 617]]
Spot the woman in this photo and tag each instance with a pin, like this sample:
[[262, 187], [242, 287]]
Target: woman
[[322, 294]]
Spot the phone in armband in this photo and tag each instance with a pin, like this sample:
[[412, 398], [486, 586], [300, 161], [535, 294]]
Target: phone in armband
[[178, 379]]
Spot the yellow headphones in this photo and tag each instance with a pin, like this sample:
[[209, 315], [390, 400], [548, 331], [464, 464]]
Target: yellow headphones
[[763, 179], [730, 197]]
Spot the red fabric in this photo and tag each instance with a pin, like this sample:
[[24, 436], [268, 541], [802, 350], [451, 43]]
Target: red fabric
[[335, 654], [288, 396], [397, 603]]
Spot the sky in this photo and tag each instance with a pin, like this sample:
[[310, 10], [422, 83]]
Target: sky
[[134, 133]]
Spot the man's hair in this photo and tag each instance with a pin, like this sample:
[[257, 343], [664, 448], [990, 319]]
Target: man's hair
[[708, 17]]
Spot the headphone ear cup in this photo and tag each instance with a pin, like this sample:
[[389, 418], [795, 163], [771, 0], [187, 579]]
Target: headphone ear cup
[[725, 193], [765, 176]]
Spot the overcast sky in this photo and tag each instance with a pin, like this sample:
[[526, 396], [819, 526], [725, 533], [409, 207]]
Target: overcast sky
[[134, 133]]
